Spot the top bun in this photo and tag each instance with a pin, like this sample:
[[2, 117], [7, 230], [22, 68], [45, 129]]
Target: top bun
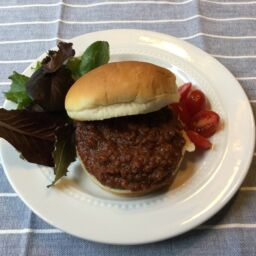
[[121, 89]]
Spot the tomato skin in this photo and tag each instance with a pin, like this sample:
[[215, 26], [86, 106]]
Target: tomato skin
[[195, 101], [194, 112], [199, 141], [205, 123], [182, 113], [184, 91]]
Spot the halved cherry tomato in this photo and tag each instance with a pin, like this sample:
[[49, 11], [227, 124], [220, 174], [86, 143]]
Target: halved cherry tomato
[[205, 123], [195, 101], [182, 113], [198, 140], [184, 91]]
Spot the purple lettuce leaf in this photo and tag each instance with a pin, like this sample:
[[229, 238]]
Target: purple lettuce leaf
[[31, 133]]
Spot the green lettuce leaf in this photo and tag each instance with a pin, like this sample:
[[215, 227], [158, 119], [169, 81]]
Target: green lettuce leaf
[[64, 151], [94, 56], [37, 66], [73, 65], [17, 92]]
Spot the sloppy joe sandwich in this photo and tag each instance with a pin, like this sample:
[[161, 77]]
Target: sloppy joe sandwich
[[127, 139]]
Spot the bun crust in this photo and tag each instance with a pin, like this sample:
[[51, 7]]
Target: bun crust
[[121, 89]]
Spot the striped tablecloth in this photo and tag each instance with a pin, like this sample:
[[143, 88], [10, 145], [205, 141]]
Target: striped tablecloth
[[224, 29]]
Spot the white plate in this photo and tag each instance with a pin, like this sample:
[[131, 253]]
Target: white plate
[[203, 186]]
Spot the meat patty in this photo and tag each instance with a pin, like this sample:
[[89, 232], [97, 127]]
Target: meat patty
[[137, 153]]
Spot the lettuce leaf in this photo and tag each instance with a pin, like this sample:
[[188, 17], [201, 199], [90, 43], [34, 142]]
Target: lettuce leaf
[[64, 151], [50, 83], [17, 92], [37, 66], [42, 132], [54, 60], [94, 56], [49, 89], [31, 133], [73, 65]]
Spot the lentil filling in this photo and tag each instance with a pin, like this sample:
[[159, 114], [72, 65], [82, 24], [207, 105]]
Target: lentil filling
[[137, 153]]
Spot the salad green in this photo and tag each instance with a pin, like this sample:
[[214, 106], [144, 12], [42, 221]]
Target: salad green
[[39, 128]]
